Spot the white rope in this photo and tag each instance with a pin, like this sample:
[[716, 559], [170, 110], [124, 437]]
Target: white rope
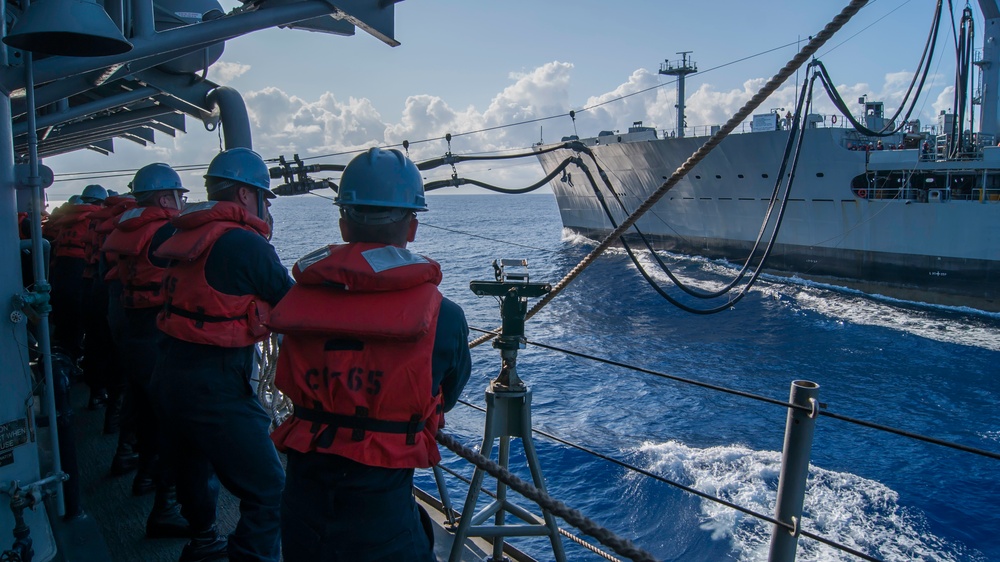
[[277, 405]]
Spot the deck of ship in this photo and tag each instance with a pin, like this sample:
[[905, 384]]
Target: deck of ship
[[113, 528]]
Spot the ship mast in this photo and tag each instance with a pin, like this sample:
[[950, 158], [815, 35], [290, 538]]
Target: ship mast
[[680, 69], [989, 65]]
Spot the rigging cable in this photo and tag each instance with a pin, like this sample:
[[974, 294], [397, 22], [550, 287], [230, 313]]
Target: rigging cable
[[800, 58], [795, 138], [923, 69], [456, 181], [963, 66], [99, 174]]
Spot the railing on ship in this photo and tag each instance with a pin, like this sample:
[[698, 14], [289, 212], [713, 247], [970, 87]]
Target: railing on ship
[[820, 120], [988, 195], [803, 411]]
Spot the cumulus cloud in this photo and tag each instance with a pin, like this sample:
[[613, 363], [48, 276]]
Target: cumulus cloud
[[286, 124], [224, 73]]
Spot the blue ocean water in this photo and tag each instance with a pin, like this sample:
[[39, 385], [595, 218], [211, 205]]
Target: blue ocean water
[[927, 370]]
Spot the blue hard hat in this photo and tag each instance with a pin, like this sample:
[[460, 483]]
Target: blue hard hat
[[382, 178], [94, 193], [240, 165], [156, 177], [76, 200]]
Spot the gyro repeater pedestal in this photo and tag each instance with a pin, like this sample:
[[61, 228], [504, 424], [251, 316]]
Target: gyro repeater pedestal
[[508, 414]]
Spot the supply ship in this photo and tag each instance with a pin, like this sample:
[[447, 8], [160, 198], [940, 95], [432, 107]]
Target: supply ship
[[877, 202]]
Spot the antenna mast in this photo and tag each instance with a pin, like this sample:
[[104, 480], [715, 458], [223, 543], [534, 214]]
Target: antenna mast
[[680, 69]]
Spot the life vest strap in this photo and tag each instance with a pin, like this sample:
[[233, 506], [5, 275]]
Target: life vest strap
[[360, 423], [197, 316]]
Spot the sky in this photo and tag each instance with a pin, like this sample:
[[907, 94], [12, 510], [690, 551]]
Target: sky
[[469, 65]]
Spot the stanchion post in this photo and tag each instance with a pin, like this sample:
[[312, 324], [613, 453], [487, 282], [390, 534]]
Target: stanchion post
[[799, 428]]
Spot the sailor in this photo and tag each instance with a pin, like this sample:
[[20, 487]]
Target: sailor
[[69, 250], [224, 280], [372, 356], [100, 353], [126, 459], [138, 234]]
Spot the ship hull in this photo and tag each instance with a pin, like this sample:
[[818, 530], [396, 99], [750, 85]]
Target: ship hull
[[944, 249]]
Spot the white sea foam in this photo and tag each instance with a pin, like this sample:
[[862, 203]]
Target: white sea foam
[[958, 325], [856, 512], [964, 327]]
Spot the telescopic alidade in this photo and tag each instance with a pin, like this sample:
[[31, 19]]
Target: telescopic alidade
[[513, 289], [508, 415]]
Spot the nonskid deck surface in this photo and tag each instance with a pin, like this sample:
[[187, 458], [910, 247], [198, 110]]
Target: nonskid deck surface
[[108, 500], [120, 517]]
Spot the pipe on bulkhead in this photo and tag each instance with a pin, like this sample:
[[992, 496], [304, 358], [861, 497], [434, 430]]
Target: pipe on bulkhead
[[233, 115]]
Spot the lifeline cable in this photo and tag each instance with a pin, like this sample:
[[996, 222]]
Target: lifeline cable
[[769, 88], [562, 531], [572, 516], [694, 491]]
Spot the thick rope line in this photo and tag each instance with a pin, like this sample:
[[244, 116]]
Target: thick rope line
[[572, 516], [562, 531], [769, 88]]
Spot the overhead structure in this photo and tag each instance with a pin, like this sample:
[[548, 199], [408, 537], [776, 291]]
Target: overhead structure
[[98, 84], [67, 27]]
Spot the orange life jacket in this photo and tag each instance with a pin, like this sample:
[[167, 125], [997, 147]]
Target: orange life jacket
[[118, 204], [74, 232], [21, 217], [194, 311], [142, 282], [356, 358]]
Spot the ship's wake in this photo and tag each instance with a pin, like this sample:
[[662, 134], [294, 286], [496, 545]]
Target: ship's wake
[[955, 325], [862, 514]]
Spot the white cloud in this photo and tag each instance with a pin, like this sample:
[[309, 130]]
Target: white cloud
[[224, 72], [285, 124]]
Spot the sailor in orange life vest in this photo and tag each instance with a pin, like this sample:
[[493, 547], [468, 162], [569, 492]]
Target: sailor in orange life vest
[[372, 357], [100, 353], [138, 233], [119, 417], [223, 281], [69, 259]]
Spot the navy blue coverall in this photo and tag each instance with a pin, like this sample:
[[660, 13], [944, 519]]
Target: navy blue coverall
[[212, 417]]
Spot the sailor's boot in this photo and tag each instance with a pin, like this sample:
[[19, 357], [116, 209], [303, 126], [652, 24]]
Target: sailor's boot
[[205, 547], [112, 415], [125, 460], [166, 521], [98, 398], [145, 477]]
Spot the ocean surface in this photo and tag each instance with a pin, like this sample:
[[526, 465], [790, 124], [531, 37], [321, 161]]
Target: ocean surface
[[928, 370]]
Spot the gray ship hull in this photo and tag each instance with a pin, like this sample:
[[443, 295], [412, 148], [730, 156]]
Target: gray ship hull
[[849, 220]]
